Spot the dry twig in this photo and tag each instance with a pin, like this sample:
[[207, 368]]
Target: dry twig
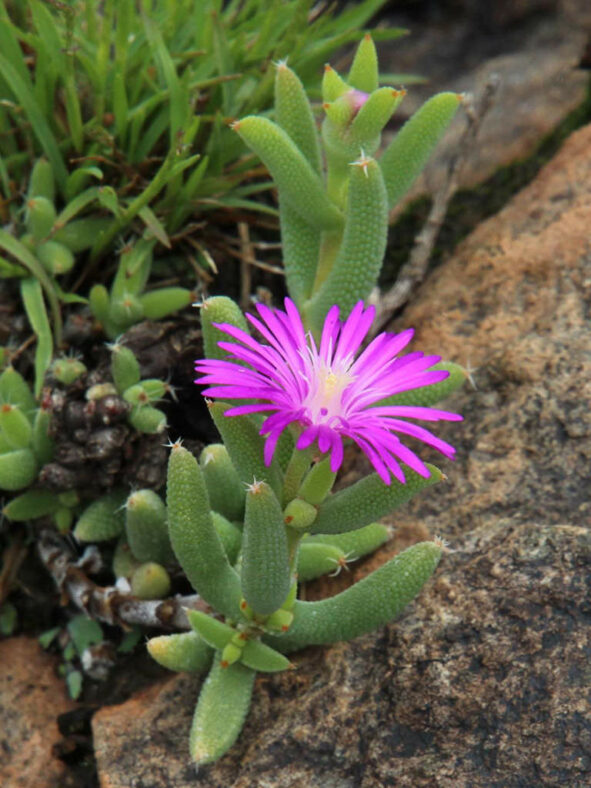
[[238, 255], [109, 604], [413, 272], [12, 558], [247, 258]]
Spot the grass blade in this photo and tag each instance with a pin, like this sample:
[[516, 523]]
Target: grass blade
[[30, 262], [154, 225], [10, 46], [76, 205], [169, 169], [25, 96], [35, 308], [179, 100]]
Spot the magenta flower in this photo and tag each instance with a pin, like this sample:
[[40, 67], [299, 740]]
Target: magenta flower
[[329, 391]]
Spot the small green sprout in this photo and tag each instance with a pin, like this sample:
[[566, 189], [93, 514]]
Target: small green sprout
[[140, 394], [25, 445]]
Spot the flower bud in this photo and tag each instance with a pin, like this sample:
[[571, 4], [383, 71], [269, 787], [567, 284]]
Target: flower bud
[[299, 514], [150, 581]]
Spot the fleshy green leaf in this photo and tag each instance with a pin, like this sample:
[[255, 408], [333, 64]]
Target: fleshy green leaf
[[226, 492], [15, 390], [18, 469], [215, 633], [296, 180], [316, 559], [221, 710], [245, 447], [265, 572], [408, 152], [165, 301], [125, 367], [194, 539], [102, 519], [219, 309], [367, 605], [184, 652], [150, 581], [84, 632], [32, 504], [146, 527], [293, 114], [259, 656], [301, 249], [358, 262], [368, 500], [354, 544], [363, 74]]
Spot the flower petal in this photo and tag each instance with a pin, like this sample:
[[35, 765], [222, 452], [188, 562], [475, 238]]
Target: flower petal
[[325, 389]]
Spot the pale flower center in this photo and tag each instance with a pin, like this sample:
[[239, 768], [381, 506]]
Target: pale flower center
[[327, 385]]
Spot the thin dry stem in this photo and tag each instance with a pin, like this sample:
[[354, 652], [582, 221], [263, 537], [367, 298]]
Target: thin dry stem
[[247, 259], [413, 272], [238, 255], [108, 603], [12, 558]]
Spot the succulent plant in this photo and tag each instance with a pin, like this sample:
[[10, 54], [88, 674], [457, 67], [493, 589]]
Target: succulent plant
[[137, 520], [293, 528], [282, 544], [128, 302], [85, 650], [334, 216], [287, 397], [287, 389], [92, 430], [23, 432], [139, 394]]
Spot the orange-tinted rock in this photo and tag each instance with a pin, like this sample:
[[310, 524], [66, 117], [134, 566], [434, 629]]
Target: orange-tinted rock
[[139, 739], [31, 698], [523, 270], [513, 303]]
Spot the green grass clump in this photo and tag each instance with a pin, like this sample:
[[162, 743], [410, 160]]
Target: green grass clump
[[128, 97], [114, 136]]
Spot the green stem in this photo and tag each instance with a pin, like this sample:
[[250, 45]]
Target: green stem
[[294, 537], [329, 248], [294, 473], [91, 15]]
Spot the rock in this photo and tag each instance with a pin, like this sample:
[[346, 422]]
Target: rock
[[483, 682], [137, 743], [534, 47], [513, 302], [31, 698]]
